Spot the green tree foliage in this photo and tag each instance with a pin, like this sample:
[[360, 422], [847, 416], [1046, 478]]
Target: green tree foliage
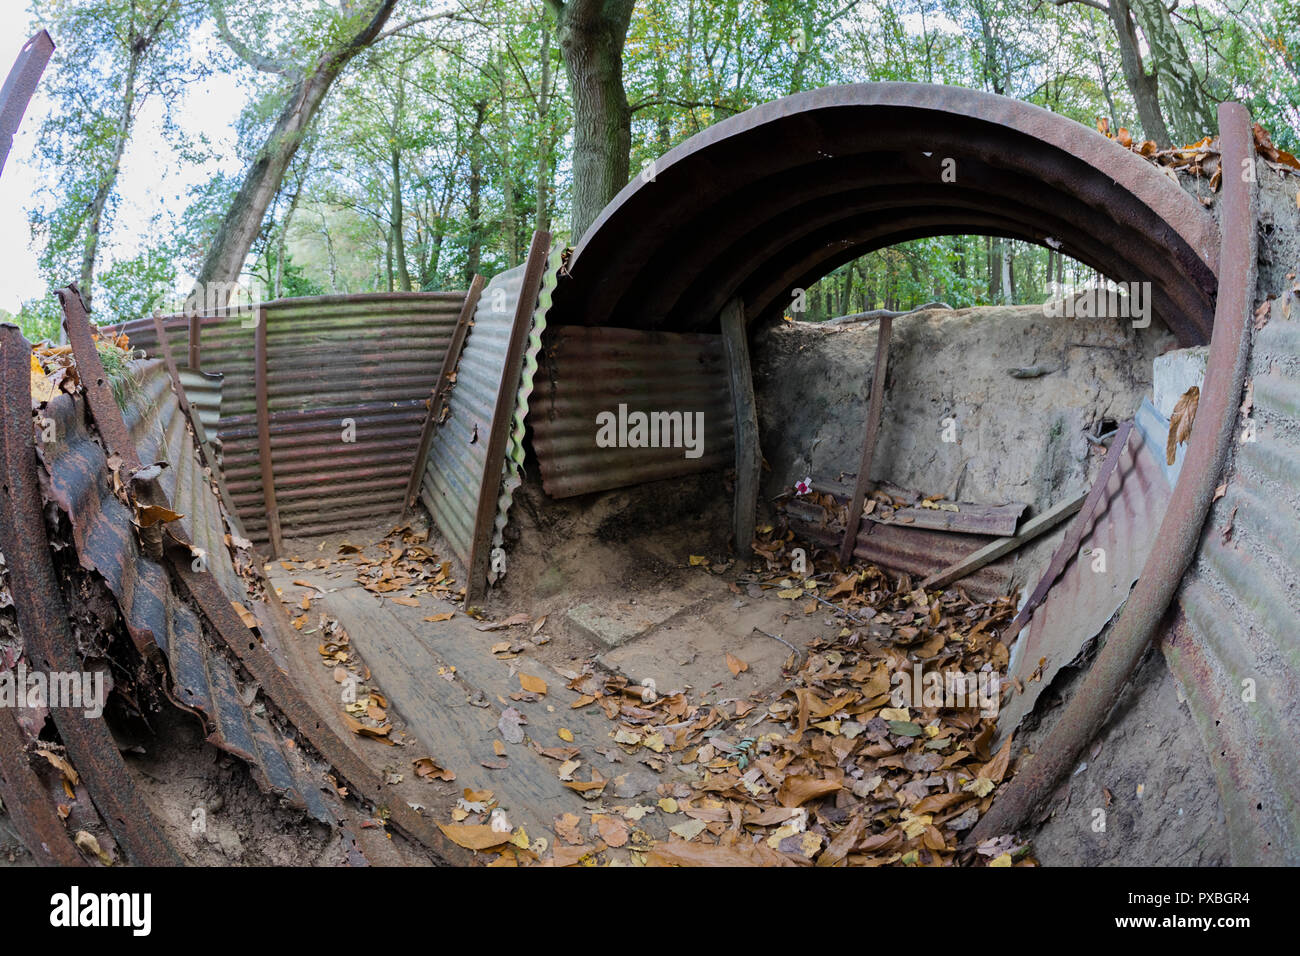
[[449, 135]]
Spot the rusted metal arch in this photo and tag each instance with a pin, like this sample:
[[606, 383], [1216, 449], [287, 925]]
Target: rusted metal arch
[[838, 244], [1180, 530], [640, 263]]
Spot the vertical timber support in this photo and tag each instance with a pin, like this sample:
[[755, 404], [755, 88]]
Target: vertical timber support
[[449, 363], [264, 435], [749, 457], [870, 431]]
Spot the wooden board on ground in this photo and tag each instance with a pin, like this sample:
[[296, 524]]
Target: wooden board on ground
[[454, 713]]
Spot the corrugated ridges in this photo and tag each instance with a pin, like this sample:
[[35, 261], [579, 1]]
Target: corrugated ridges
[[157, 619], [1082, 600], [1241, 614], [457, 459], [369, 358], [514, 463], [592, 370]]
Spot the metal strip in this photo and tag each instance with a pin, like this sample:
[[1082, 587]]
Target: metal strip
[[870, 431], [1180, 531], [266, 464], [19, 87], [42, 616], [502, 415], [440, 388], [1069, 546]]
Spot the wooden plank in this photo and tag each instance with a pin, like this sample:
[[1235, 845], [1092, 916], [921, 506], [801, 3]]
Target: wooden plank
[[503, 413], [264, 436], [439, 712], [970, 518], [449, 363], [1070, 545], [749, 457], [870, 431], [1032, 529]]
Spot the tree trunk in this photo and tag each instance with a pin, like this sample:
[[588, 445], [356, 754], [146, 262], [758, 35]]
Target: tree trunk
[[474, 251], [395, 218], [542, 213], [95, 217], [243, 220], [1141, 85], [1189, 113], [592, 34]]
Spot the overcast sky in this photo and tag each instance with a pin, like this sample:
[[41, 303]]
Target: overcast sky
[[150, 180]]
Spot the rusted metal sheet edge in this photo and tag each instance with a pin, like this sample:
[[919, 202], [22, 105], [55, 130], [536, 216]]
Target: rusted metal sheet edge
[[1069, 546], [449, 362], [503, 413], [19, 87], [1180, 530], [512, 477], [201, 588], [43, 622], [264, 438]]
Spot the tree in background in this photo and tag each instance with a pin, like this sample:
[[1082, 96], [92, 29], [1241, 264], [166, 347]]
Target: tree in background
[[125, 54]]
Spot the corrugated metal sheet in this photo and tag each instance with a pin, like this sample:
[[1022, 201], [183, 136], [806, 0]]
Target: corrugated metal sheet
[[918, 552], [158, 620], [1237, 652], [1083, 600], [457, 460], [512, 478], [371, 359], [591, 370]]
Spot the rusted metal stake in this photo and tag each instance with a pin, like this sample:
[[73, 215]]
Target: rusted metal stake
[[870, 431], [19, 86]]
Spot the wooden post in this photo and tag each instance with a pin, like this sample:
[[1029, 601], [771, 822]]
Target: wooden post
[[264, 435], [749, 457], [449, 363], [869, 434]]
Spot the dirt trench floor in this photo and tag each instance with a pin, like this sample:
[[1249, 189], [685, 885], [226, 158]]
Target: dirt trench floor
[[631, 694]]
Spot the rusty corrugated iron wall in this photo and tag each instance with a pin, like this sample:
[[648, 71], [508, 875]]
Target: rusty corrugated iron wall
[[337, 367], [159, 621], [1236, 647], [1095, 584], [589, 370], [457, 459]]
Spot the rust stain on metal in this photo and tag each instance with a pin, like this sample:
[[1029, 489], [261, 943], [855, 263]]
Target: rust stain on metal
[[264, 458], [503, 410], [1068, 549], [371, 358], [1180, 530], [805, 191], [1234, 649], [233, 729], [914, 551], [43, 621], [587, 371], [19, 87], [446, 375], [1082, 599]]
